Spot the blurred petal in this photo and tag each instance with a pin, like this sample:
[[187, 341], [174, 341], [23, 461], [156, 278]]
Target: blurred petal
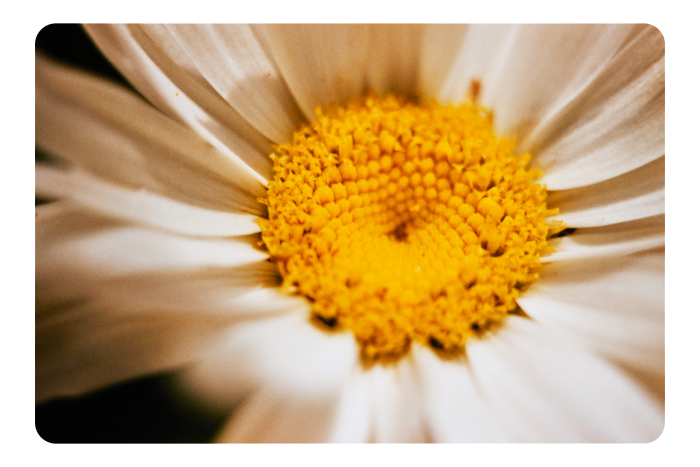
[[144, 56], [321, 63], [74, 247], [634, 195], [456, 411], [612, 240], [89, 347], [284, 353], [107, 130], [272, 417], [140, 206], [548, 391], [237, 61], [353, 419], [394, 57], [613, 306], [442, 44], [229, 291], [396, 404]]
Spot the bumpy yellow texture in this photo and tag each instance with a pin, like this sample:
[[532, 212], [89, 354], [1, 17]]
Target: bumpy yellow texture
[[405, 222]]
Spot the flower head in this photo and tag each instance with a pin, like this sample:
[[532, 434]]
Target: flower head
[[396, 230]]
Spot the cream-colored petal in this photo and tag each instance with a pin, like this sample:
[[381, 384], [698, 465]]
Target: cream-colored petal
[[614, 125], [237, 61], [286, 353], [613, 306], [143, 56], [352, 422], [74, 245], [244, 292], [634, 195], [394, 57], [527, 70], [611, 240], [321, 63], [89, 347], [268, 416], [140, 206], [397, 408], [537, 68], [112, 133], [456, 410], [442, 44], [586, 100], [547, 390]]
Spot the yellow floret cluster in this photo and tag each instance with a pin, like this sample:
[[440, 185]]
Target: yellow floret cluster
[[405, 223]]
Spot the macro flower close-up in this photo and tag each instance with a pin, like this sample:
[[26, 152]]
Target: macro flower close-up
[[361, 232]]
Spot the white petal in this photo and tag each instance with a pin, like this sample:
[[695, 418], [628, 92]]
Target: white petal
[[321, 64], [73, 246], [633, 195], [237, 61], [394, 54], [441, 45], [613, 306], [396, 404], [238, 293], [611, 240], [109, 131], [534, 69], [456, 411], [526, 70], [89, 347], [286, 353], [273, 417], [614, 125], [587, 100], [146, 63], [549, 391], [353, 419], [140, 206]]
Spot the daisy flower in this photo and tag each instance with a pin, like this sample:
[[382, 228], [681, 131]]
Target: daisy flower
[[392, 273]]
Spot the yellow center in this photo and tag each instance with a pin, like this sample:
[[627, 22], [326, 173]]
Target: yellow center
[[405, 222]]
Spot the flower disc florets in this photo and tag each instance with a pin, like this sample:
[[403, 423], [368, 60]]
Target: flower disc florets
[[405, 222]]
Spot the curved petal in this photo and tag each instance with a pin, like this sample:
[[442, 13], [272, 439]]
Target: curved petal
[[442, 43], [75, 247], [140, 206], [353, 420], [586, 100], [242, 293], [633, 195], [397, 407], [526, 70], [143, 56], [272, 417], [394, 57], [549, 391], [456, 411], [237, 61], [614, 125], [109, 131], [283, 353], [90, 347], [540, 67], [321, 63], [613, 306], [611, 240]]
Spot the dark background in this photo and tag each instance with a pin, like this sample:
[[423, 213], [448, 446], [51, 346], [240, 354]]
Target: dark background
[[140, 411]]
